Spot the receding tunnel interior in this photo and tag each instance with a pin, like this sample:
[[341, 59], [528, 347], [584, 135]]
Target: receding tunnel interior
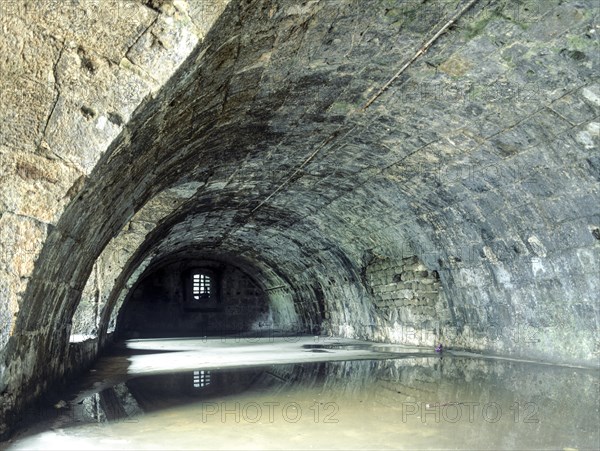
[[194, 297], [300, 224]]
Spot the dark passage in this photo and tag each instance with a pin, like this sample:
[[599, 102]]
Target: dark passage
[[194, 298]]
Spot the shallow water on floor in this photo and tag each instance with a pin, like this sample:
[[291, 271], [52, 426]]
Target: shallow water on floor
[[412, 401]]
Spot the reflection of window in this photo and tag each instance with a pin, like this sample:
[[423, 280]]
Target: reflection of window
[[201, 286], [201, 378]]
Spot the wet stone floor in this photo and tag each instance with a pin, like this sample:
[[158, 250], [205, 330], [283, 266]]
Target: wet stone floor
[[316, 393]]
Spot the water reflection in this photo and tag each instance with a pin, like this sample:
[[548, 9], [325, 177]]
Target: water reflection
[[413, 402]]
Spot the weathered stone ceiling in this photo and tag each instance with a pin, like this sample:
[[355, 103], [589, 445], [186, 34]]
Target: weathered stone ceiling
[[477, 167], [481, 158], [72, 74]]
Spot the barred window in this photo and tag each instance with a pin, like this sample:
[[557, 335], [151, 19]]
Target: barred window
[[201, 286]]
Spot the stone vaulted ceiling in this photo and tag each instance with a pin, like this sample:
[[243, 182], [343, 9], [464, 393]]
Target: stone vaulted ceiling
[[273, 147]]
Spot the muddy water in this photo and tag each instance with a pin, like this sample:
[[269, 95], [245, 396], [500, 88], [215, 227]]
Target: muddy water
[[338, 395]]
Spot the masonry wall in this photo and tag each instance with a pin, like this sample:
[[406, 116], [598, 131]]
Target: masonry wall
[[410, 306], [488, 141]]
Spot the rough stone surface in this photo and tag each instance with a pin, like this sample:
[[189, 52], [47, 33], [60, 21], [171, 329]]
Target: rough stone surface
[[481, 160], [72, 74], [410, 306], [66, 92], [93, 305]]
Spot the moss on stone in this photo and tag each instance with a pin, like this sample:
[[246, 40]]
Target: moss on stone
[[475, 28]]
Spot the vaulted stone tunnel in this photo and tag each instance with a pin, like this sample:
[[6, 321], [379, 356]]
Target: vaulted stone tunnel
[[407, 172]]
